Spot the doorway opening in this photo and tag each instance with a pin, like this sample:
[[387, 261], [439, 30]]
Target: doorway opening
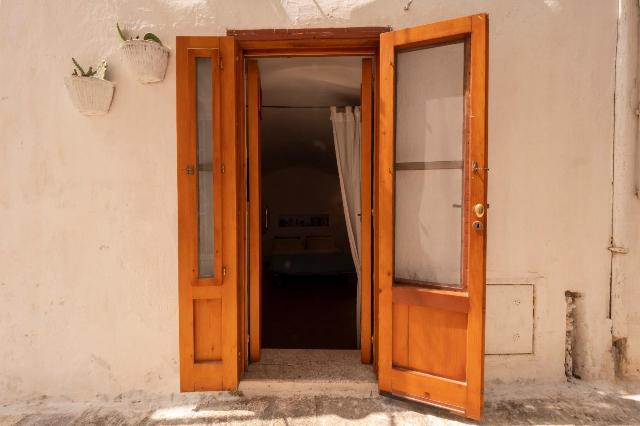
[[309, 281]]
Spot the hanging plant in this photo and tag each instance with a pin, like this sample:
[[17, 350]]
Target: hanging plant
[[89, 91], [146, 57]]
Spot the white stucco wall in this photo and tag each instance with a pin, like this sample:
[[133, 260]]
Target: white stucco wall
[[88, 223]]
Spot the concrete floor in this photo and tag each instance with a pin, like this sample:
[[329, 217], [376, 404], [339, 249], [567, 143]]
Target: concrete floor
[[567, 404], [332, 388]]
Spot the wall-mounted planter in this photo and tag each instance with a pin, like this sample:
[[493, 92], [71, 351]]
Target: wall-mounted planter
[[90, 95], [146, 59]]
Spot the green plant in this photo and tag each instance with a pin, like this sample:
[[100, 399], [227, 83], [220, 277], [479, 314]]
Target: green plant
[[99, 72], [147, 36]]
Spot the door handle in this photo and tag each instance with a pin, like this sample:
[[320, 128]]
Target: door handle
[[265, 225]]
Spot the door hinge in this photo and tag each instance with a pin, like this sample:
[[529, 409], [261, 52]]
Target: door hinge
[[224, 271], [475, 167], [371, 212], [222, 168], [220, 62], [189, 169]]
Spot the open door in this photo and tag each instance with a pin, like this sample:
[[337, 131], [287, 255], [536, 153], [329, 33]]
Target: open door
[[432, 222], [254, 103], [209, 234]]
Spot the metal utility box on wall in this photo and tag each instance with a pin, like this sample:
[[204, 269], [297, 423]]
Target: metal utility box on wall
[[509, 316]]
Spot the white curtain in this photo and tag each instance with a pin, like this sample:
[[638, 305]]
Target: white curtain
[[346, 139]]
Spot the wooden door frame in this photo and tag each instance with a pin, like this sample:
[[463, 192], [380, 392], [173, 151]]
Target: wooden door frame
[[264, 43], [366, 210], [314, 42], [255, 208]]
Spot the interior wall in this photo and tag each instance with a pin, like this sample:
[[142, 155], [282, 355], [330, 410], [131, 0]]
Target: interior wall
[[304, 191], [88, 253]]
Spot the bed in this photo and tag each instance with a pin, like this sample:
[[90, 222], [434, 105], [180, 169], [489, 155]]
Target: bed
[[309, 256]]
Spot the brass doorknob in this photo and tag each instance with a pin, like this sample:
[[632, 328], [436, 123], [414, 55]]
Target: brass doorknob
[[478, 209]]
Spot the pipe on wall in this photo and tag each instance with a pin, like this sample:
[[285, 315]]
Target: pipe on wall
[[625, 227]]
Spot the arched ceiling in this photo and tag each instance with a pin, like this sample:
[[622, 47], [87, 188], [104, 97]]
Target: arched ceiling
[[303, 136]]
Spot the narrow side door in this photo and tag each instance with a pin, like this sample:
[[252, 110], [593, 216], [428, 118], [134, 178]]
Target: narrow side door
[[432, 187], [208, 202]]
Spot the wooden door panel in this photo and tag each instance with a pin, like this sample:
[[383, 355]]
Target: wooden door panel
[[431, 239], [208, 376], [207, 320], [430, 341], [437, 342], [207, 205]]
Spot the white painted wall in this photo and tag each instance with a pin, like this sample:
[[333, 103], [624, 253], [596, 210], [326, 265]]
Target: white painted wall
[[88, 259]]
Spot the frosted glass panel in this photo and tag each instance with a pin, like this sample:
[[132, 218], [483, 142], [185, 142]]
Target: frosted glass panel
[[429, 160], [205, 175], [427, 227]]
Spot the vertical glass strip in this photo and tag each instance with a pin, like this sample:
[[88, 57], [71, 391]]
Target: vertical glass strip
[[204, 114]]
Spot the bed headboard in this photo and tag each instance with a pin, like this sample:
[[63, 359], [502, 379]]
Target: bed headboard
[[299, 244]]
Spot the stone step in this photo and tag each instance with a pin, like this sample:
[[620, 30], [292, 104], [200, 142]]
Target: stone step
[[292, 372], [293, 388]]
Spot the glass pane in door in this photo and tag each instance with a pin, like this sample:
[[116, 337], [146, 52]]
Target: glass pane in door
[[428, 165], [204, 115]]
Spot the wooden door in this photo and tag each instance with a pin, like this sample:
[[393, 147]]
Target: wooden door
[[208, 205], [432, 221], [255, 209]]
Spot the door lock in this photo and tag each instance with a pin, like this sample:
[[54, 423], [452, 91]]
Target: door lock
[[478, 209], [477, 225]]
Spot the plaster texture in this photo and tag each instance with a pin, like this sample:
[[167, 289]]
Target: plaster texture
[[88, 241]]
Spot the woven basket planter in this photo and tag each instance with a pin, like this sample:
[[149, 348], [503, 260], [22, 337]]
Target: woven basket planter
[[146, 59], [90, 95]]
